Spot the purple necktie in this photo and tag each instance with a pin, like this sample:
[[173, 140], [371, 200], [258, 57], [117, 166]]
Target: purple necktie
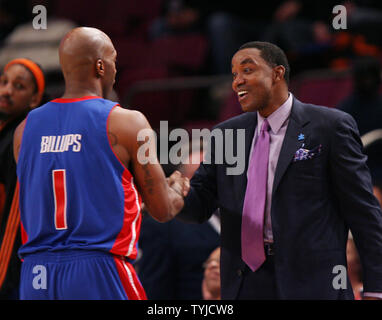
[[252, 240]]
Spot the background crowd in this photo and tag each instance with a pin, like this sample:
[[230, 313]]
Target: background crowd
[[174, 65]]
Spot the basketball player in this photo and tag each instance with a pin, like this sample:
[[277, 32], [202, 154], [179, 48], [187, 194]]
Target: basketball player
[[81, 184]]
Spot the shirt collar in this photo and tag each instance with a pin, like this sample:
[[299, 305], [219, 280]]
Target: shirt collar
[[278, 117]]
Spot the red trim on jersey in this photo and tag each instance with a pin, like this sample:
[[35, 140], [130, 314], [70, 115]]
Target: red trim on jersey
[[126, 241], [130, 282], [24, 235], [69, 100]]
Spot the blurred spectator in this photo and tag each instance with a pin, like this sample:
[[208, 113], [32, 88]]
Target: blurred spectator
[[21, 89], [365, 18], [178, 17], [365, 102], [230, 24], [211, 280], [296, 26], [173, 253], [361, 36]]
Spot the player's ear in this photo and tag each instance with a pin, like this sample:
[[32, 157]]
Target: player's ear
[[100, 68]]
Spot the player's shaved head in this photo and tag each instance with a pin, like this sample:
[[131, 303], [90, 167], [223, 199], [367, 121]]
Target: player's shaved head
[[85, 54]]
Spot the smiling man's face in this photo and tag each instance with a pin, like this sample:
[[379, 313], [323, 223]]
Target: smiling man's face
[[252, 79]]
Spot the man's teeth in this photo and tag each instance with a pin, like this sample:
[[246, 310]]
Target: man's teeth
[[242, 93]]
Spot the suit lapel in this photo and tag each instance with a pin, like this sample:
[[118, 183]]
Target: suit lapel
[[291, 142]]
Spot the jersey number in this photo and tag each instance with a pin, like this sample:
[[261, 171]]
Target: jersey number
[[59, 191]]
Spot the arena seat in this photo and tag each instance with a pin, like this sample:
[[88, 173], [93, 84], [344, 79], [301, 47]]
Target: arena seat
[[155, 105], [187, 52]]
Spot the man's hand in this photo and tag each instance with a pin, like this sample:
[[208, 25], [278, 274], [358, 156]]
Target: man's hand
[[179, 187], [179, 183]]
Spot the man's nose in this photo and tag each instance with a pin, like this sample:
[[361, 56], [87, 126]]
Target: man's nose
[[238, 81]]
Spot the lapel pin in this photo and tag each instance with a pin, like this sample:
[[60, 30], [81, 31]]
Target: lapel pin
[[301, 137]]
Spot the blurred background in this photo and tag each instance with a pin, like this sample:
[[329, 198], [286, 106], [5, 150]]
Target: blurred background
[[174, 55]]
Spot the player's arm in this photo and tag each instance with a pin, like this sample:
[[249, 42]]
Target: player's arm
[[17, 136], [162, 201]]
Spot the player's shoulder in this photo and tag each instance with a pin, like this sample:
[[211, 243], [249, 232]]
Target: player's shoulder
[[128, 114], [127, 120]]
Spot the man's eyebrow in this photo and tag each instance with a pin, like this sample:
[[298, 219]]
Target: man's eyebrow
[[247, 60]]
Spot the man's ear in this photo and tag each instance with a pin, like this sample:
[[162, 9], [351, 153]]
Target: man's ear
[[100, 68], [279, 73]]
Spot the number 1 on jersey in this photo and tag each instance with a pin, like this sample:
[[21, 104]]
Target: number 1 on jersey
[[59, 191]]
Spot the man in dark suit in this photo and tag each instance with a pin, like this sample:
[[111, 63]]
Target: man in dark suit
[[316, 186]]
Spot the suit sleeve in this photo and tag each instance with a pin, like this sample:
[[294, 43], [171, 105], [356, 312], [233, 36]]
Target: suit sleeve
[[358, 206], [201, 200]]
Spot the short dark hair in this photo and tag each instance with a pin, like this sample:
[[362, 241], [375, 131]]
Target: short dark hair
[[272, 54]]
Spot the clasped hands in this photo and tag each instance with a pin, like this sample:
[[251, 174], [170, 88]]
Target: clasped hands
[[179, 183], [179, 186]]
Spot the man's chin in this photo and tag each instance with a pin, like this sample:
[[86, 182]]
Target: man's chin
[[248, 108]]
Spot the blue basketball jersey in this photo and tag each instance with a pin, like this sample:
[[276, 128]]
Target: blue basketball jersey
[[74, 192]]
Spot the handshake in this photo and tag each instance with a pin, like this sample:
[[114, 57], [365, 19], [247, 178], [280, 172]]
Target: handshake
[[179, 186], [168, 200], [178, 183]]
